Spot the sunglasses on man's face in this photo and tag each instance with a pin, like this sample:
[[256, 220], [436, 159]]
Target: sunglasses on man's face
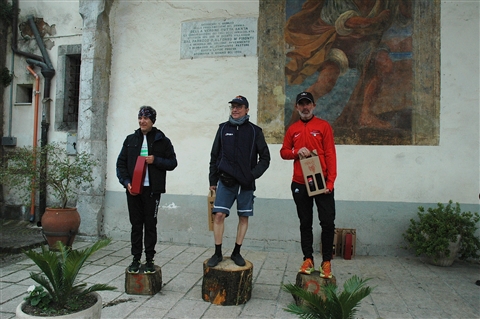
[[236, 106]]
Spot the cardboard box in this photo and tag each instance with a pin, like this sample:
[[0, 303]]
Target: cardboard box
[[313, 174], [337, 244], [211, 202], [339, 241], [139, 175]]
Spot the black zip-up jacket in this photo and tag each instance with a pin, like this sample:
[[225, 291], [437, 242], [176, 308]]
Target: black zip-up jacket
[[240, 151], [159, 146]]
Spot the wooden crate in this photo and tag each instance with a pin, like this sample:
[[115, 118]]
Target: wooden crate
[[339, 242]]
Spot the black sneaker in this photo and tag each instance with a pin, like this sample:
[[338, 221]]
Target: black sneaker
[[212, 262], [238, 260], [134, 267], [149, 266]]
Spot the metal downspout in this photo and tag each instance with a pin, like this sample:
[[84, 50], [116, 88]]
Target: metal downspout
[[35, 136], [15, 35], [16, 51], [48, 73]]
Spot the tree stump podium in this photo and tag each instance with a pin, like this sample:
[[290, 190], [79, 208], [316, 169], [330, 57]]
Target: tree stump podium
[[142, 283], [312, 283], [227, 284]]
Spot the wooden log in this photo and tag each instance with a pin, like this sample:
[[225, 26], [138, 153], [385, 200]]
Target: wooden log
[[312, 283], [142, 283], [227, 284]]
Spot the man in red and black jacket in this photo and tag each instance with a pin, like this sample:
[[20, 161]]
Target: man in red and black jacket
[[302, 137]]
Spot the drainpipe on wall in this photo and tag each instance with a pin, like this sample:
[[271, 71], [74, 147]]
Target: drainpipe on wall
[[16, 51], [15, 35], [48, 73], [35, 133]]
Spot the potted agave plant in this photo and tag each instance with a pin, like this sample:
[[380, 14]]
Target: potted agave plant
[[444, 233], [59, 294], [63, 175]]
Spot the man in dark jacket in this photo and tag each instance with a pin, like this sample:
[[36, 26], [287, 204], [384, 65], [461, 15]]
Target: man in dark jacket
[[239, 156], [150, 142]]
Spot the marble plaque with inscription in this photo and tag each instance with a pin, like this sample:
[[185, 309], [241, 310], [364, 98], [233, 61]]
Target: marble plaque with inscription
[[219, 38]]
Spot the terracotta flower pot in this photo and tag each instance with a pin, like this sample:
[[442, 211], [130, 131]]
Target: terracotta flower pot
[[94, 312], [60, 224]]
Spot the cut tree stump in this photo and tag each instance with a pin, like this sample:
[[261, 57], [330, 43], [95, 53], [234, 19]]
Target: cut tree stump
[[142, 283], [312, 283], [227, 284]]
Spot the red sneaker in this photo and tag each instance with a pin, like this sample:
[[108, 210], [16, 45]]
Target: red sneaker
[[307, 267], [326, 270]]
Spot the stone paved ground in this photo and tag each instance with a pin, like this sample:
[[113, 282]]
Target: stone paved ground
[[18, 235], [403, 287]]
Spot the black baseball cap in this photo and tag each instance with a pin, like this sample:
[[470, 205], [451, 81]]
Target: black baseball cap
[[305, 95], [240, 100]]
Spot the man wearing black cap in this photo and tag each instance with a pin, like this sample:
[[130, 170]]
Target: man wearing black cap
[[239, 156], [305, 135], [150, 142]]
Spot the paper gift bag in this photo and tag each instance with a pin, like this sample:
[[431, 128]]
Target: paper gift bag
[[313, 174], [211, 202], [139, 175]]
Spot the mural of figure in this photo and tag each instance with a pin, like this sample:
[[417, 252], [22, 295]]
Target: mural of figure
[[332, 36]]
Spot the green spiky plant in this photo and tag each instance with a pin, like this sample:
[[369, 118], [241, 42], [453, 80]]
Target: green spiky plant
[[335, 305], [59, 273]]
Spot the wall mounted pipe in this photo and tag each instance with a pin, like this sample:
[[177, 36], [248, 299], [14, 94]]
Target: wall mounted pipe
[[40, 43], [48, 73], [15, 50], [15, 35], [35, 135]]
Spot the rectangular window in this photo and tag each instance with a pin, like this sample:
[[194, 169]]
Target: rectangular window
[[24, 94], [68, 87], [72, 88]]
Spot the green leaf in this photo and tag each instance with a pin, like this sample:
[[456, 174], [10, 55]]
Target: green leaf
[[335, 305], [60, 270]]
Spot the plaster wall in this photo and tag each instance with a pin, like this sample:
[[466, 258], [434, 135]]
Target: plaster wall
[[378, 187], [191, 98]]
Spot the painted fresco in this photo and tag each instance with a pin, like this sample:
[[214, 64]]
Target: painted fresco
[[355, 57], [370, 64]]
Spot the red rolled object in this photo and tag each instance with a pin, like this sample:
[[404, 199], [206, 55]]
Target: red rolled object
[[139, 175]]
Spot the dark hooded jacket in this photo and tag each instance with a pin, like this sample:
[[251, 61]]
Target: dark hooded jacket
[[240, 151], [159, 146]]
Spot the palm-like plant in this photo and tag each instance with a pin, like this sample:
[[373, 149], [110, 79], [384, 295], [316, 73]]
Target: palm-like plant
[[60, 270], [333, 305]]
